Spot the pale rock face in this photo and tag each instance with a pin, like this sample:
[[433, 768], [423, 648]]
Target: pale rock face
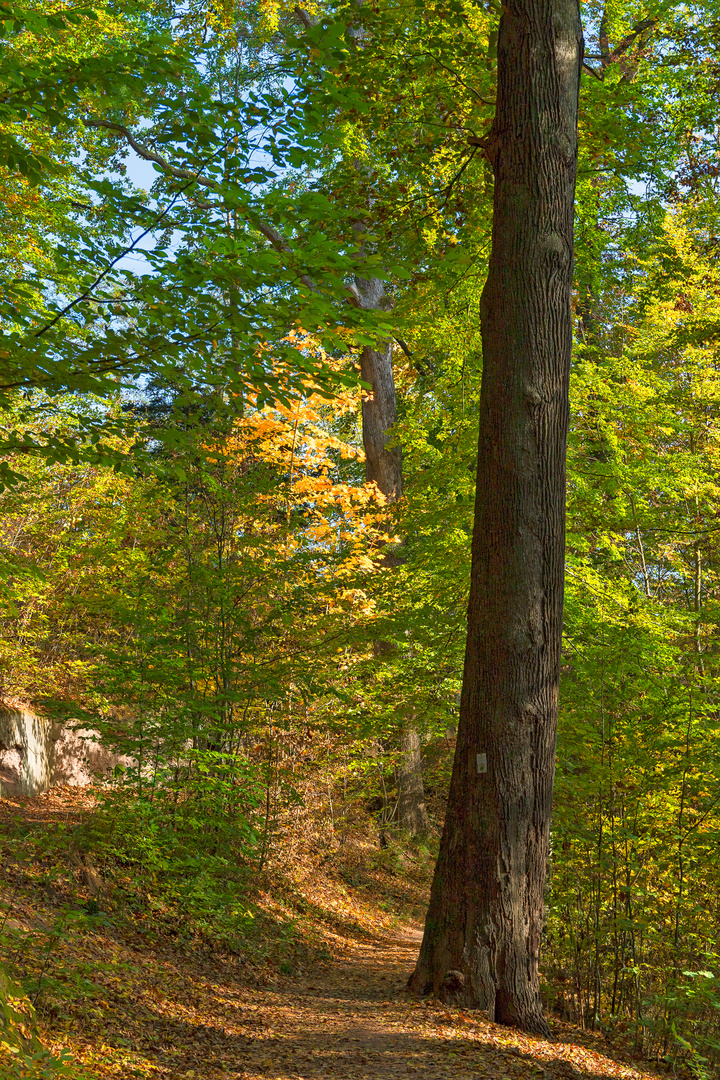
[[10, 769], [25, 751], [79, 757], [36, 753]]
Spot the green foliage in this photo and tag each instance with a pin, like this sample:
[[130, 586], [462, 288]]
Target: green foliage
[[22, 1055], [191, 563], [638, 790]]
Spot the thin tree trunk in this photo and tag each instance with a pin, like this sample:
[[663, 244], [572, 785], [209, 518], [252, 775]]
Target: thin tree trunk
[[484, 924], [411, 810], [383, 465]]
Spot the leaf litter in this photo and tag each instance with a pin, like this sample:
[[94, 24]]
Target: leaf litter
[[126, 1002]]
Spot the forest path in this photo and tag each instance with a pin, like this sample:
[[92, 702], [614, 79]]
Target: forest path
[[354, 1021], [124, 998], [348, 1020]]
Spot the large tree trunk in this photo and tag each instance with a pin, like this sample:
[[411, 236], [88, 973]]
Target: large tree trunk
[[484, 924], [383, 465]]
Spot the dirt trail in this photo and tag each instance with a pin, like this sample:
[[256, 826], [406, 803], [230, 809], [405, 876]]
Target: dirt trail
[[350, 1020], [354, 1021]]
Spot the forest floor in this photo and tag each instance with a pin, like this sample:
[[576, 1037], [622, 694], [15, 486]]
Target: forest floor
[[124, 997]]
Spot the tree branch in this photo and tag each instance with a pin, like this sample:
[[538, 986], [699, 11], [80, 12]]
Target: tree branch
[[308, 20], [152, 155], [148, 154], [103, 273], [592, 71], [624, 45]]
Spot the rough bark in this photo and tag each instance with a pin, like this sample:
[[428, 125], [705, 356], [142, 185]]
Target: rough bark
[[411, 810], [484, 924], [383, 465]]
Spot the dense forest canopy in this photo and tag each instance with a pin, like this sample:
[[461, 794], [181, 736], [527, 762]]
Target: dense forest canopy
[[239, 423]]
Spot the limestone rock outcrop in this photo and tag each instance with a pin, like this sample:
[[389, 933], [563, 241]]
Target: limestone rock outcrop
[[36, 753]]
